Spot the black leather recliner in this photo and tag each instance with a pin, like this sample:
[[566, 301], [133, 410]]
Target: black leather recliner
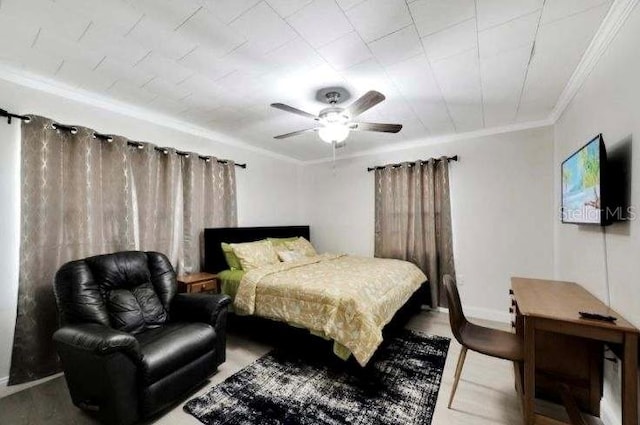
[[131, 346]]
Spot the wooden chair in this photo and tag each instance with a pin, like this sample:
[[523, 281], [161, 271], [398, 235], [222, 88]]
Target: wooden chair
[[492, 342]]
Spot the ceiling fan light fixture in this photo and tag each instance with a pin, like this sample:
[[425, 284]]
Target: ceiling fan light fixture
[[334, 133], [335, 123]]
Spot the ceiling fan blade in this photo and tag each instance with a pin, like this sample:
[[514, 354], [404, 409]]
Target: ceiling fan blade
[[373, 126], [366, 102], [293, 110], [295, 133]]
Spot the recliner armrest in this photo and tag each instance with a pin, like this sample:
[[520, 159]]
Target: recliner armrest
[[98, 339], [199, 307]]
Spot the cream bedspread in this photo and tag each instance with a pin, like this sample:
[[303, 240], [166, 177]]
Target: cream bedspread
[[348, 299]]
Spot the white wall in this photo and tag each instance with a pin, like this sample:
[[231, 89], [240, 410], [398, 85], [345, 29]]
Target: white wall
[[9, 239], [608, 103], [268, 190], [502, 210]]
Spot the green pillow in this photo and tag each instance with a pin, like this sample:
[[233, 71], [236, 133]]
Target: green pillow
[[232, 260], [280, 242]]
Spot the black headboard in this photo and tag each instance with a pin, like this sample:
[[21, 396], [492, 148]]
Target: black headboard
[[214, 258]]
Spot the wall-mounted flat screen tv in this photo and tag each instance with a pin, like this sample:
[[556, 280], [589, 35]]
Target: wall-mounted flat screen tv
[[582, 177]]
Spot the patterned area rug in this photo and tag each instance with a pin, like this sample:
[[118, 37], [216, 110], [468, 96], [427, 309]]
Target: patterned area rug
[[399, 386]]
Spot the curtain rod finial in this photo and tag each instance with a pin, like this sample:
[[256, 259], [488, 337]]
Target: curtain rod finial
[[4, 113], [9, 116]]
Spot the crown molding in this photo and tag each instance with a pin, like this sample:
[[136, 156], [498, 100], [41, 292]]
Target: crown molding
[[615, 19], [437, 140], [47, 85]]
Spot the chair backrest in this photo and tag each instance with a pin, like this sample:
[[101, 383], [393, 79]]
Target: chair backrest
[[457, 318], [128, 291]]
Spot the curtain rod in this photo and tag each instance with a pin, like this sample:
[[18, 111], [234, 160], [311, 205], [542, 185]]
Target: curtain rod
[[381, 167], [140, 145], [108, 138], [9, 116]]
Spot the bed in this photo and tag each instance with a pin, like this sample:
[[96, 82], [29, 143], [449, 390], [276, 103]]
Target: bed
[[348, 300]]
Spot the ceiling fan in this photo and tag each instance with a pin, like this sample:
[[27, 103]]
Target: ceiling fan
[[335, 123]]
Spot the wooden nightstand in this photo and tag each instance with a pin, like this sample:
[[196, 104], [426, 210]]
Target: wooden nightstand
[[198, 282]]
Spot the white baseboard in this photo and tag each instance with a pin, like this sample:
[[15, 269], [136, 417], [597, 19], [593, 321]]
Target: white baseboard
[[483, 314], [4, 381], [608, 415]]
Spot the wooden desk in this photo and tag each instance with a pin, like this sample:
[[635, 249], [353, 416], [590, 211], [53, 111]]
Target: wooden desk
[[553, 306]]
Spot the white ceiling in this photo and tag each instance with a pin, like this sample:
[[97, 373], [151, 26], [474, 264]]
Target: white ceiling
[[446, 66]]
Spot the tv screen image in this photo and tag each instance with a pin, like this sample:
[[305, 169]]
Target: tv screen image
[[581, 184]]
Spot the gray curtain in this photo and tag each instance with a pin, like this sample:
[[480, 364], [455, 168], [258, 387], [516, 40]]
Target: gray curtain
[[82, 196], [210, 201], [158, 202], [413, 219]]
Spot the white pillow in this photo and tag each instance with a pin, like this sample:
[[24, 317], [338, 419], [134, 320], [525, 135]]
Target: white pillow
[[301, 245], [289, 256]]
